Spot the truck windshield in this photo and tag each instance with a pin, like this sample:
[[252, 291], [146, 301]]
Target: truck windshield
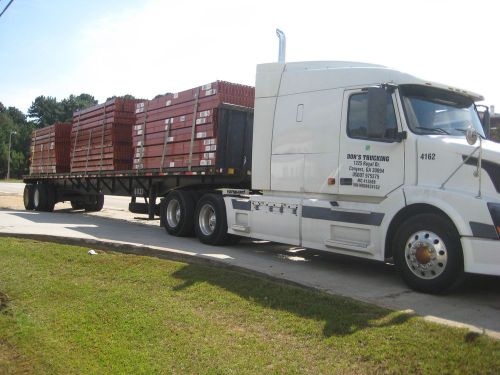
[[435, 111]]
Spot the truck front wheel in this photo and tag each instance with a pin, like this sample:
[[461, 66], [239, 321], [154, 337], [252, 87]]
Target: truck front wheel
[[178, 212], [428, 253], [210, 223]]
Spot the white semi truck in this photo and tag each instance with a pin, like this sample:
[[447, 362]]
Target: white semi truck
[[363, 160], [349, 158]]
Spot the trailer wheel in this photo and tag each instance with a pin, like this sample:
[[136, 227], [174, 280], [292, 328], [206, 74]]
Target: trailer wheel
[[38, 194], [211, 221], [96, 204], [44, 197], [77, 205], [177, 213], [428, 253], [28, 197]]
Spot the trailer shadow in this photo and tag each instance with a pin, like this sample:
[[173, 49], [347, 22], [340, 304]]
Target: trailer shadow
[[59, 217], [340, 316]]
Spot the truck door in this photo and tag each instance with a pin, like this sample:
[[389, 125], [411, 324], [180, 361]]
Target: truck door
[[369, 165]]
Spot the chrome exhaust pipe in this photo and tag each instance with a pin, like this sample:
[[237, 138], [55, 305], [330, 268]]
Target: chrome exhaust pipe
[[282, 50]]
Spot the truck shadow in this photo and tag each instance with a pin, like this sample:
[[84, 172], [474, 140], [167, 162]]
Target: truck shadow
[[340, 316]]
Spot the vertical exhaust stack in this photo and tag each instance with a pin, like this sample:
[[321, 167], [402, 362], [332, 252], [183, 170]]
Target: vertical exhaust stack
[[282, 48]]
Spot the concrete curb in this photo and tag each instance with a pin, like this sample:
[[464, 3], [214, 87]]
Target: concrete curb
[[185, 257]]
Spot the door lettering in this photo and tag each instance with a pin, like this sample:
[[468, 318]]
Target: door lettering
[[366, 170]]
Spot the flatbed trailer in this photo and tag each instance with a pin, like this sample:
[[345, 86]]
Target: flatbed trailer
[[232, 169], [148, 185]]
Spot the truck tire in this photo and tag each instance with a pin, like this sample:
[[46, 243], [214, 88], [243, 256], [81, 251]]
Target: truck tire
[[177, 213], [428, 253], [28, 197], [44, 198], [96, 204], [210, 223]]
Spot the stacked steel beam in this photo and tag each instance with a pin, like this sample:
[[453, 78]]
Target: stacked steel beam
[[180, 130], [50, 149], [101, 137]]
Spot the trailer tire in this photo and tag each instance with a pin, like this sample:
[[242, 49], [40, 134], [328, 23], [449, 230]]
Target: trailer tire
[[177, 212], [96, 205], [43, 197], [428, 253], [28, 197], [210, 223]]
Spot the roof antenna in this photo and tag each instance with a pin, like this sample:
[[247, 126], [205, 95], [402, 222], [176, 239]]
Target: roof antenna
[[282, 50]]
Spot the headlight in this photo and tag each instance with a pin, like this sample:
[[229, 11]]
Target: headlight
[[495, 215]]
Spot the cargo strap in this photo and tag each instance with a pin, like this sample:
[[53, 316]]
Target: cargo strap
[[165, 142], [193, 127], [102, 136], [33, 154], [47, 166], [76, 138], [88, 151], [143, 136], [41, 158]]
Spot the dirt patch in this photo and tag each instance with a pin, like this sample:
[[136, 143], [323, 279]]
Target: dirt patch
[[3, 301], [14, 202], [11, 362]]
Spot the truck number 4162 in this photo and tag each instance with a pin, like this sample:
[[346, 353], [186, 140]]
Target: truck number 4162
[[428, 156]]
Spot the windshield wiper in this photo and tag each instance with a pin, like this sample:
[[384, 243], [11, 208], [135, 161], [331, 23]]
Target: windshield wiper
[[435, 130]]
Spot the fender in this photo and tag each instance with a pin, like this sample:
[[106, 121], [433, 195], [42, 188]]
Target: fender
[[461, 208]]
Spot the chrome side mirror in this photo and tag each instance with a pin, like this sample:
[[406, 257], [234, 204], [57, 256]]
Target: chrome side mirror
[[471, 136]]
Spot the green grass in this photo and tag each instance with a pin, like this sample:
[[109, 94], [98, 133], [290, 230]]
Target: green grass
[[11, 180], [66, 312]]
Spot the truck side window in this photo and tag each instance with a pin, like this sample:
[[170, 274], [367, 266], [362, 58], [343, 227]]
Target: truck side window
[[357, 118]]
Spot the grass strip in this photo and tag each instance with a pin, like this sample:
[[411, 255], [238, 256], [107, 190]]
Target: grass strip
[[63, 311]]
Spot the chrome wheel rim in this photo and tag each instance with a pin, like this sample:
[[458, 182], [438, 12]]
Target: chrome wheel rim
[[36, 197], [173, 213], [207, 219], [426, 255]]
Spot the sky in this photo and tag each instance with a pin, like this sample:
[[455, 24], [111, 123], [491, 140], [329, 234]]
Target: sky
[[144, 48]]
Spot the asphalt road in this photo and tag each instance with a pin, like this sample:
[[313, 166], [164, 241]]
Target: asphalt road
[[476, 304]]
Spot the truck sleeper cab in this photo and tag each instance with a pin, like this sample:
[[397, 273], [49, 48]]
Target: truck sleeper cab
[[362, 160]]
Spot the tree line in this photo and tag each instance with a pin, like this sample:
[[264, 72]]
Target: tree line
[[44, 111]]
